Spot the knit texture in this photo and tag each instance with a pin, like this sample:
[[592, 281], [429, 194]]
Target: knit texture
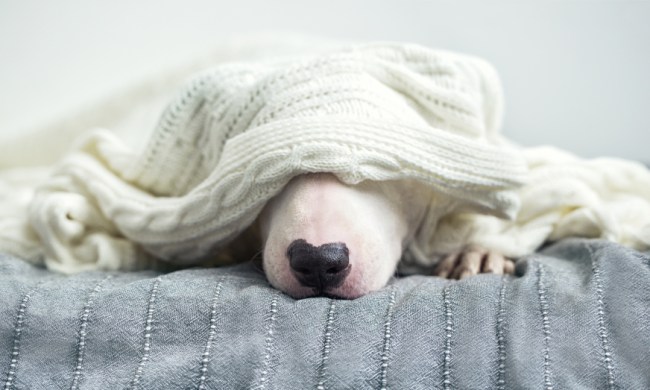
[[237, 133]]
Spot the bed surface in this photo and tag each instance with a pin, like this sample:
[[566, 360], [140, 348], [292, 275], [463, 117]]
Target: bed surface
[[576, 316]]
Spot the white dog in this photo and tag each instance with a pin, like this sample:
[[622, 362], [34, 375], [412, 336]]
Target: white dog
[[225, 150], [322, 237]]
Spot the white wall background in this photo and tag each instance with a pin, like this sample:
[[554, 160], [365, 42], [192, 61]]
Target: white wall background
[[576, 73]]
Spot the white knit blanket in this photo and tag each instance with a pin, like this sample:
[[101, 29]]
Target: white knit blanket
[[237, 133]]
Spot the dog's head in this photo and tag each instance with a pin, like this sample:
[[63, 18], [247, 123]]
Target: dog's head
[[323, 237]]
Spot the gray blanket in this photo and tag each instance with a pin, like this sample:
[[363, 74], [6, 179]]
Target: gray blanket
[[576, 316]]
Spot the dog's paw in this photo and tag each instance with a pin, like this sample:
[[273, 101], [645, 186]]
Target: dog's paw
[[473, 260]]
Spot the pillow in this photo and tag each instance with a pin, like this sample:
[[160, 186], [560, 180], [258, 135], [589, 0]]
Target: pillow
[[576, 315]]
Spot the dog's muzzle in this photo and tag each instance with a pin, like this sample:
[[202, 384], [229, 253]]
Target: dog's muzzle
[[323, 268]]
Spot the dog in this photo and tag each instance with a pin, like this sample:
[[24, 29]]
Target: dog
[[236, 133], [321, 237]]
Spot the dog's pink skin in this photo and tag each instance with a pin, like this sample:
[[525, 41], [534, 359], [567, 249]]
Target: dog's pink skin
[[373, 219]]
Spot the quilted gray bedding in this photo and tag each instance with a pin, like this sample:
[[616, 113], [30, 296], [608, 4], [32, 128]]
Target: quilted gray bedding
[[576, 316]]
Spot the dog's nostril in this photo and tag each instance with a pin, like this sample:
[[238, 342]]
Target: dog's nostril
[[322, 267]]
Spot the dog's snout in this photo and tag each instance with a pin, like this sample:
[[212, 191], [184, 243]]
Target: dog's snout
[[323, 267]]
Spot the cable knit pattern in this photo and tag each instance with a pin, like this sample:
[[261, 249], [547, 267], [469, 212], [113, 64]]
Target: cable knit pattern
[[237, 133]]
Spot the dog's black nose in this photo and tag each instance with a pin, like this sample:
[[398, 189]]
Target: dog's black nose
[[323, 267]]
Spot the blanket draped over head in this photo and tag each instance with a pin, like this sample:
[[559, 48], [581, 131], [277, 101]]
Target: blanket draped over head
[[237, 133]]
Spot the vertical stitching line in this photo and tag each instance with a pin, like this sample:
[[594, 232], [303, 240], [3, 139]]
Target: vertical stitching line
[[18, 329], [602, 330], [147, 334], [205, 357], [543, 303], [327, 342], [501, 349], [387, 328], [269, 342], [81, 341], [449, 328]]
